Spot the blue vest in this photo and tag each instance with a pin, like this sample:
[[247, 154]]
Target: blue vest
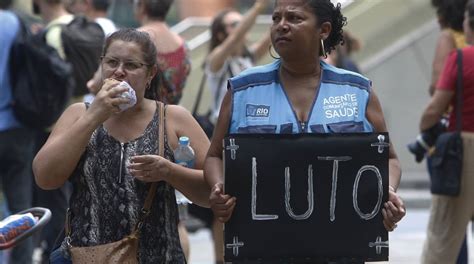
[[260, 104]]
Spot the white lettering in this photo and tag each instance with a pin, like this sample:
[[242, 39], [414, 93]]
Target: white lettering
[[262, 111], [328, 114], [256, 216], [344, 112], [335, 167], [310, 195], [340, 99], [356, 187]]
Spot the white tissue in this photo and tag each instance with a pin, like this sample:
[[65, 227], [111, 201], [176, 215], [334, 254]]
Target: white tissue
[[130, 94]]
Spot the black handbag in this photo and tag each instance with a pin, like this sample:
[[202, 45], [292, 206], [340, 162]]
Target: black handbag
[[205, 120], [446, 165]]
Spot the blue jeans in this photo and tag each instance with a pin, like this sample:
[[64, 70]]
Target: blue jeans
[[16, 155], [57, 257]]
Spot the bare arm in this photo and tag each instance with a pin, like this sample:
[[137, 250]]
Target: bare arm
[[436, 108], [222, 204], [190, 182], [444, 46], [260, 48], [394, 209], [152, 168], [218, 56], [59, 156], [57, 159], [375, 117]]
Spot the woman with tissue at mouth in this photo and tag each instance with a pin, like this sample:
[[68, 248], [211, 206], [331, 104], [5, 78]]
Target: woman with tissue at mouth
[[109, 151]]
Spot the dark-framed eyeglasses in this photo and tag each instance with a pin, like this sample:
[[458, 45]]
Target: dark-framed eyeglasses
[[111, 63]]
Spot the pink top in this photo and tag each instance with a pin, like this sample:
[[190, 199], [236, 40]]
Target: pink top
[[447, 81], [176, 67]]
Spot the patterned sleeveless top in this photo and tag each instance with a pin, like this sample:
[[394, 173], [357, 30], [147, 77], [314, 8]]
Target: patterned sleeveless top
[[107, 200]]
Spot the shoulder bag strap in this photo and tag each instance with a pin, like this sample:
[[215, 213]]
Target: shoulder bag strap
[[161, 151], [221, 82], [459, 86], [199, 94]]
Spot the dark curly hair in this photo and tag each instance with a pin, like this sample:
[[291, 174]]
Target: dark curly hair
[[326, 11], [450, 12], [157, 8]]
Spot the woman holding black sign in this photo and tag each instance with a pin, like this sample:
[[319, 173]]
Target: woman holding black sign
[[294, 92]]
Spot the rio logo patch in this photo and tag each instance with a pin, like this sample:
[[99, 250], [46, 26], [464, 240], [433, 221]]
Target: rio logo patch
[[258, 110]]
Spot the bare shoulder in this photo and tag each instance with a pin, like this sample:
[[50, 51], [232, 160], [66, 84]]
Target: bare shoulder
[[177, 111], [75, 110], [446, 34], [69, 117], [446, 40]]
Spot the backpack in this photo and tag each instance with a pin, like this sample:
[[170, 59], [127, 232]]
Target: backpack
[[42, 82], [82, 41]]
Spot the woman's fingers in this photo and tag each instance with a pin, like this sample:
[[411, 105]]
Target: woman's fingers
[[222, 206], [144, 158], [224, 215], [387, 222]]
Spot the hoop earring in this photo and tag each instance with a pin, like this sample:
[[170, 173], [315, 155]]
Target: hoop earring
[[271, 53], [322, 51]]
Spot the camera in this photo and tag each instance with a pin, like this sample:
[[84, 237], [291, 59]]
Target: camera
[[426, 139]]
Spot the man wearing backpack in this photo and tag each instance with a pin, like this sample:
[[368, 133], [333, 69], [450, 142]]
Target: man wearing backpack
[[16, 148], [66, 33], [54, 15]]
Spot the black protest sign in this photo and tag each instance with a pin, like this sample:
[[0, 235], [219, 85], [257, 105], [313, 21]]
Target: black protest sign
[[306, 198]]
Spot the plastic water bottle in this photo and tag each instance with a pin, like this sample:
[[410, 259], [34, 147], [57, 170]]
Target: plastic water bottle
[[184, 156]]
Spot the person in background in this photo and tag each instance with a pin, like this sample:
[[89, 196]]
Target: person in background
[[92, 144], [96, 10], [341, 57], [450, 15], [75, 6], [228, 56], [52, 12], [17, 141], [449, 216], [295, 87], [173, 58], [228, 52]]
